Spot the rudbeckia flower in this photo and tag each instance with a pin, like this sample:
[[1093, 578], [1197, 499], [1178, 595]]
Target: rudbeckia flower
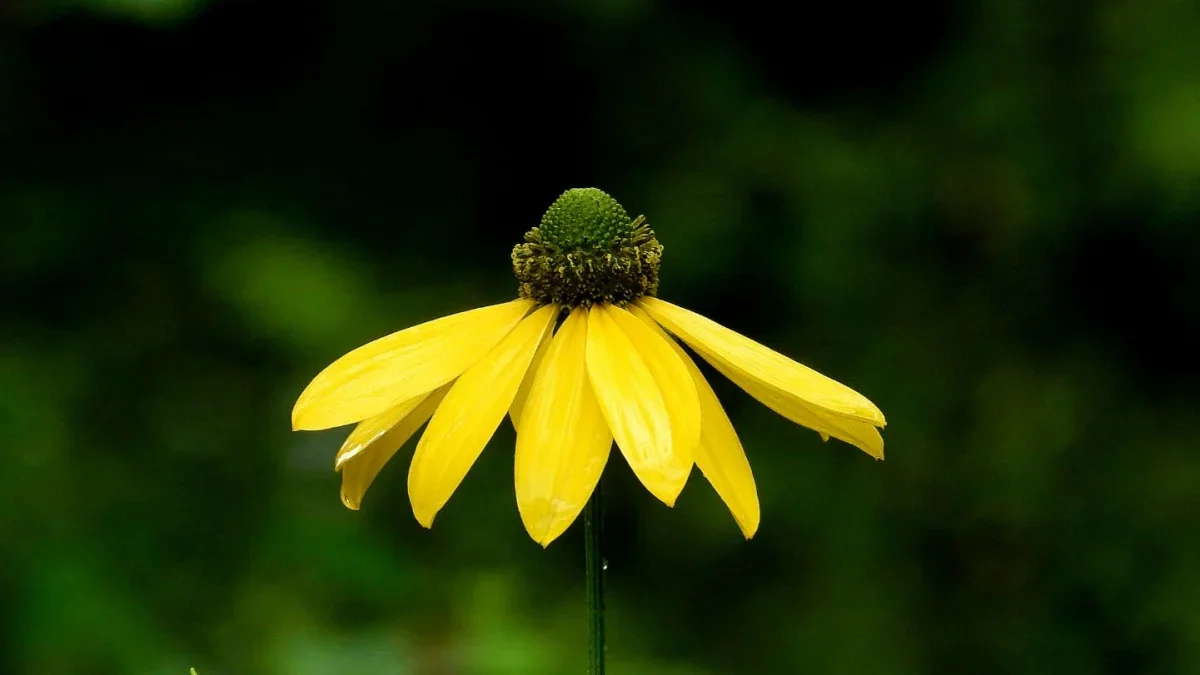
[[586, 355]]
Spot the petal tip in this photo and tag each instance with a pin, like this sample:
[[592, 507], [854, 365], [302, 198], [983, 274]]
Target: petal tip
[[301, 411], [748, 525], [541, 538], [874, 415], [305, 420], [669, 493], [425, 519]]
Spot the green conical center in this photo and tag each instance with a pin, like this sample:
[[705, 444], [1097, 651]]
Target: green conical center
[[587, 250], [585, 218]]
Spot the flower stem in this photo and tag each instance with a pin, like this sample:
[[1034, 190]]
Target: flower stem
[[593, 532]]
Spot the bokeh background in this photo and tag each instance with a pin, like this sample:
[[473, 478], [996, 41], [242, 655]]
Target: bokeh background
[[982, 214]]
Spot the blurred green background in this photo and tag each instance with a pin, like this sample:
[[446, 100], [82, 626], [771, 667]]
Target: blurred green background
[[983, 215]]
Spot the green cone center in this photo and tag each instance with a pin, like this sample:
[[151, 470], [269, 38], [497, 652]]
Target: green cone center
[[587, 249], [585, 218]]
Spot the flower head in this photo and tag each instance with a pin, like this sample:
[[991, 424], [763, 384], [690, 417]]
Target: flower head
[[587, 250], [583, 357]]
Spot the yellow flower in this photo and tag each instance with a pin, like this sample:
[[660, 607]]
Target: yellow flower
[[609, 372]]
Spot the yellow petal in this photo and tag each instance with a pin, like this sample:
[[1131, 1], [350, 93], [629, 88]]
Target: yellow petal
[[633, 406], [673, 380], [383, 374], [368, 433], [859, 434], [518, 404], [758, 363], [375, 441], [719, 456], [469, 415], [563, 442]]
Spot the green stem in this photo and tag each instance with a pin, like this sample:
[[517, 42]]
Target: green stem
[[593, 532]]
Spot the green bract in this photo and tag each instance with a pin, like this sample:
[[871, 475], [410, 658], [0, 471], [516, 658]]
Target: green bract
[[587, 250]]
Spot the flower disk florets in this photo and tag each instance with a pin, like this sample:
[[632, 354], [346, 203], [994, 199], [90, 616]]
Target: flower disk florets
[[587, 250]]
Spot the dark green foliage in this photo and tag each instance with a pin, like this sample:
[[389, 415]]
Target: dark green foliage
[[983, 215]]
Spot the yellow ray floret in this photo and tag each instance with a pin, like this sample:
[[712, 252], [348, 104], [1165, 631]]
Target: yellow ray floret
[[375, 441], [719, 455], [383, 374], [673, 380], [470, 414], [518, 404], [633, 406], [859, 434], [761, 364], [564, 442]]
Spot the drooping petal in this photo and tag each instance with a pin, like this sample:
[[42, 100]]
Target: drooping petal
[[859, 434], [761, 364], [368, 434], [719, 456], [673, 379], [518, 404], [469, 415], [563, 441], [633, 406], [386, 372], [375, 441]]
